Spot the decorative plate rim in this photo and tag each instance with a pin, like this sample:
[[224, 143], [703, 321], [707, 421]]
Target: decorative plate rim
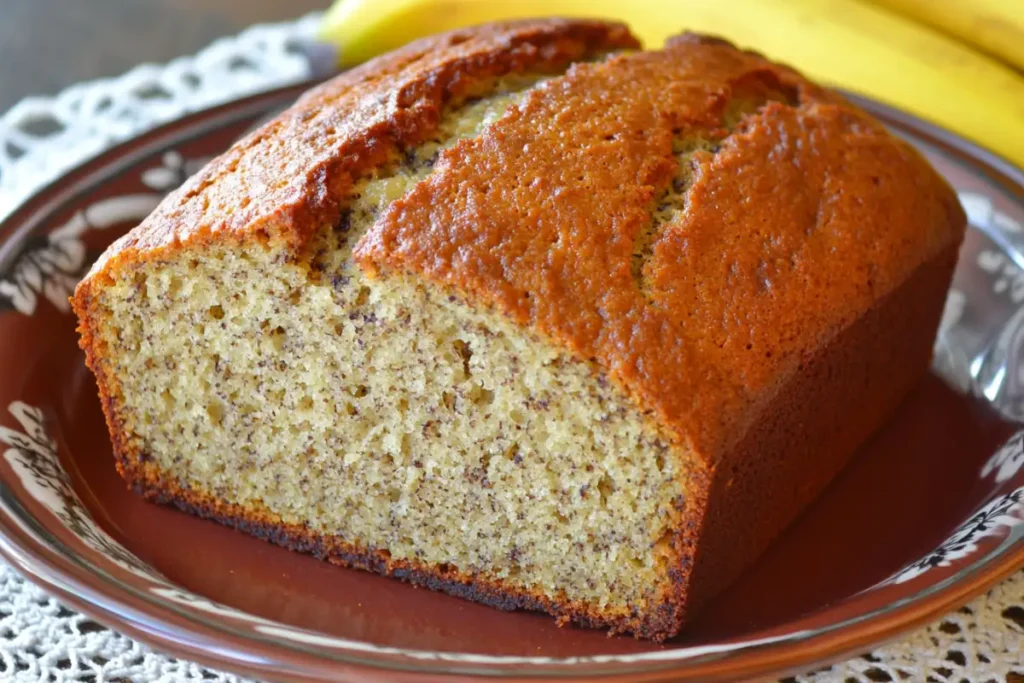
[[174, 627]]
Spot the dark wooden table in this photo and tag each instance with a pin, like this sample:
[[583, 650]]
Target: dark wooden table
[[46, 45]]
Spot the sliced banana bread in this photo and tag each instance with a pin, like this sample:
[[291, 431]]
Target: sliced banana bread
[[525, 315]]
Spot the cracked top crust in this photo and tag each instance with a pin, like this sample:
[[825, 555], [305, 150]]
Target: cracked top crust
[[287, 178], [800, 213], [796, 212]]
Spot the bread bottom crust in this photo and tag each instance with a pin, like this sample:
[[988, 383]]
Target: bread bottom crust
[[657, 624]]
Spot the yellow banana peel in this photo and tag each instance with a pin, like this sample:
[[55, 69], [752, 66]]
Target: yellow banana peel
[[995, 27]]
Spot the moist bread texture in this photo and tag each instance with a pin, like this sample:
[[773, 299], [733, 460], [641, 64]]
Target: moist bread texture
[[524, 314]]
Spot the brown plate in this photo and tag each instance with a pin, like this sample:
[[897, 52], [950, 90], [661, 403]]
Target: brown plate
[[928, 514]]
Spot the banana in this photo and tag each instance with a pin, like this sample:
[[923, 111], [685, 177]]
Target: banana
[[848, 43], [365, 28], [992, 26]]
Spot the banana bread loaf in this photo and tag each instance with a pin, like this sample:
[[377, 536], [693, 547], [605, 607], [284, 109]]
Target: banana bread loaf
[[529, 316]]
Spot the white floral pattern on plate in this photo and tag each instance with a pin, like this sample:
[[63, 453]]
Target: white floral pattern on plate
[[994, 519], [53, 265], [1007, 461], [173, 171], [33, 457], [1007, 277]]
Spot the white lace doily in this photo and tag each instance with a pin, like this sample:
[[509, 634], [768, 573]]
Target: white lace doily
[[40, 137]]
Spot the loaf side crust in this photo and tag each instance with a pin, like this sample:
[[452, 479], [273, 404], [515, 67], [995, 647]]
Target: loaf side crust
[[808, 431]]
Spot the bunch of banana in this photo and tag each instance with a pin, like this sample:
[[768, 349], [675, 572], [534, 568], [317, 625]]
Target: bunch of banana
[[995, 27], [855, 44]]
